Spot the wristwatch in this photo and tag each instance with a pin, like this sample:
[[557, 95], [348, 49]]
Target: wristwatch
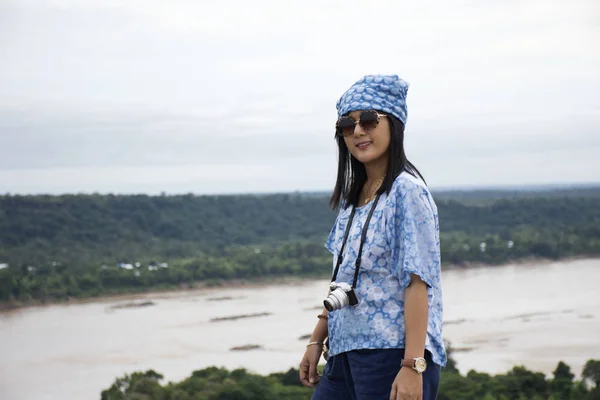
[[418, 364]]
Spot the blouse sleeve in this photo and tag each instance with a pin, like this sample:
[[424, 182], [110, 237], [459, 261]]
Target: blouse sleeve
[[414, 235], [331, 242]]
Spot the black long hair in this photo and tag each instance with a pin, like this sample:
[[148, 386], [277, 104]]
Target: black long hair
[[352, 175]]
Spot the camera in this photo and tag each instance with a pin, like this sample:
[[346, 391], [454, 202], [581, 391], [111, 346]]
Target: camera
[[340, 296]]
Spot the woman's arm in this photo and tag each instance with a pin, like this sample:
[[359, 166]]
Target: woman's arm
[[320, 332], [308, 366], [415, 317], [408, 383]]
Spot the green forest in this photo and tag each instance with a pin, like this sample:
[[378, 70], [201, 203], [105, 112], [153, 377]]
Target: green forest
[[71, 246], [220, 384]]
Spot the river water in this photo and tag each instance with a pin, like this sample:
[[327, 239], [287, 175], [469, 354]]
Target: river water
[[497, 317]]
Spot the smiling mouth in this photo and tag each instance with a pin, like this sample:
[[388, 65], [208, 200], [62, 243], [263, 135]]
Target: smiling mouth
[[363, 145]]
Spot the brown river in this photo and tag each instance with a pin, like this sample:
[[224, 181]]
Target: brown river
[[530, 314]]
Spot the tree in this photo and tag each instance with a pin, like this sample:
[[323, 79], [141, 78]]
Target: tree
[[134, 385], [591, 372], [562, 384]]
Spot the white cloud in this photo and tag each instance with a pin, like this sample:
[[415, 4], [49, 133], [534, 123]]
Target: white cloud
[[122, 86]]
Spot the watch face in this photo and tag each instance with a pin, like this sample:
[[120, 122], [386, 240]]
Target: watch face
[[420, 364]]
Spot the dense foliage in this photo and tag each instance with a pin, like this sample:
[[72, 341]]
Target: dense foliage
[[56, 247], [220, 384]]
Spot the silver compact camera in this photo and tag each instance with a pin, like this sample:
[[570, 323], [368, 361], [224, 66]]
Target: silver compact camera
[[340, 296]]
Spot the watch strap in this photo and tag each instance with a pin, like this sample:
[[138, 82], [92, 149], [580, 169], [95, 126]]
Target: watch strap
[[417, 364]]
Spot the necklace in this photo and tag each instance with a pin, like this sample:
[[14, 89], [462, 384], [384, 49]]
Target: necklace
[[374, 190]]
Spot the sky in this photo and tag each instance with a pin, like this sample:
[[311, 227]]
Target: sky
[[236, 96]]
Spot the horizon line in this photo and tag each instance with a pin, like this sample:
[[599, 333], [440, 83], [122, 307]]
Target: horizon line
[[539, 187]]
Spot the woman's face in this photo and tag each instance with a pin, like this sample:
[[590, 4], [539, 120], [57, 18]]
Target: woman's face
[[369, 146]]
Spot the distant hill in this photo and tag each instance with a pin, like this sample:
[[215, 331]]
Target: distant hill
[[93, 229], [479, 196], [54, 247]]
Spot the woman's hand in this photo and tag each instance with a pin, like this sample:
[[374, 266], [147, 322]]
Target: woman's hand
[[308, 366], [408, 385]]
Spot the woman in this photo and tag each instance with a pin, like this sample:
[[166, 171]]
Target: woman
[[383, 315]]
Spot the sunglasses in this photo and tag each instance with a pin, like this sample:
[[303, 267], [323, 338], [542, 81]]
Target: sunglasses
[[368, 120]]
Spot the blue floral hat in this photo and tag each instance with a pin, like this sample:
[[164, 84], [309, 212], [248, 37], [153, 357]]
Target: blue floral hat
[[386, 93]]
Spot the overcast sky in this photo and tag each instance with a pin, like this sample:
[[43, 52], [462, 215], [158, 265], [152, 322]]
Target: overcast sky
[[239, 96]]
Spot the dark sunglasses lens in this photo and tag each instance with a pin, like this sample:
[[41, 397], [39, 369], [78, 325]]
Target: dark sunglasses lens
[[345, 126], [369, 120]]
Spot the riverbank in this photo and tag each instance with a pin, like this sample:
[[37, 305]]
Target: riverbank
[[193, 288], [190, 289]]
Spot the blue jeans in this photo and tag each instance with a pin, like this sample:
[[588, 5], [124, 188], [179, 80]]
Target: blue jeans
[[369, 375]]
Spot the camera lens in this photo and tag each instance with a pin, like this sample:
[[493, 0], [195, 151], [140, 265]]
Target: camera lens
[[336, 300], [328, 305]]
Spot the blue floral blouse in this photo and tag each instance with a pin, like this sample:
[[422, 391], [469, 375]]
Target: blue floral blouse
[[402, 239]]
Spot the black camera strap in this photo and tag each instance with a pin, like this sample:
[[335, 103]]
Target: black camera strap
[[362, 242]]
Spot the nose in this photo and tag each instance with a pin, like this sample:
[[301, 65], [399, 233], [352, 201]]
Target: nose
[[358, 130]]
